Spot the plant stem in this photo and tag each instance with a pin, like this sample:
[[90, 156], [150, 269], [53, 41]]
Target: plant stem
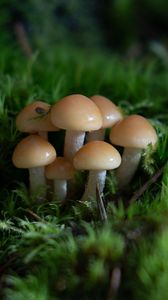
[[22, 38], [101, 206], [73, 142], [96, 178], [129, 163]]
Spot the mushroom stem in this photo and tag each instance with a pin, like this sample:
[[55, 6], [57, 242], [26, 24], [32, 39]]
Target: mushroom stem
[[96, 135], [43, 135], [73, 142], [96, 178], [37, 180], [60, 189], [129, 163]]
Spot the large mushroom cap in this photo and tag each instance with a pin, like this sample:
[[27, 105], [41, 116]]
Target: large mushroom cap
[[35, 117], [134, 131], [111, 114], [97, 155], [33, 151], [61, 168], [76, 112]]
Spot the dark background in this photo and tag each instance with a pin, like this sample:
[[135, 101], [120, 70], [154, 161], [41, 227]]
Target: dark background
[[118, 25]]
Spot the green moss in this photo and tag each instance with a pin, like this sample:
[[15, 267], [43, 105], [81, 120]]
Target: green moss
[[53, 252]]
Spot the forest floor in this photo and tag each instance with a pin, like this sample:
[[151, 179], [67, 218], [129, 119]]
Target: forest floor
[[49, 251]]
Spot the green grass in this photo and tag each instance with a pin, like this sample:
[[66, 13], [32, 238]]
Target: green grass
[[51, 252]]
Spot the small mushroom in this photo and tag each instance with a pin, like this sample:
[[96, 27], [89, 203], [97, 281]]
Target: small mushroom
[[111, 114], [134, 133], [76, 114], [97, 157], [34, 153], [60, 171], [35, 118]]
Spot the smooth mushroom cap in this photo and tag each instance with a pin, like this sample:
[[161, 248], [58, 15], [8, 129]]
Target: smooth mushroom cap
[[35, 117], [61, 168], [97, 155], [134, 131], [111, 114], [76, 112], [33, 151]]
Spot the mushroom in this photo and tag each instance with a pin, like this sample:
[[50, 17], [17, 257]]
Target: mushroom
[[34, 153], [111, 114], [76, 114], [60, 171], [134, 133], [97, 157], [35, 118]]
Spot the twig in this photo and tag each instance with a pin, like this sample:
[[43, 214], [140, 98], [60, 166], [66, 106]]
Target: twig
[[101, 206], [114, 283], [35, 216], [22, 38], [142, 189]]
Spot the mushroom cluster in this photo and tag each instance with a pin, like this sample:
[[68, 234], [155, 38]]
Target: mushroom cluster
[[84, 121]]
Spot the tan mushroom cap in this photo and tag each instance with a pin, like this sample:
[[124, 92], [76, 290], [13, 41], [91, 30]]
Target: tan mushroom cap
[[134, 131], [76, 112], [35, 117], [33, 151], [97, 155], [61, 168], [111, 114]]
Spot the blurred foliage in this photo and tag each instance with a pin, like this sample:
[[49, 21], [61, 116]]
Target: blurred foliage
[[139, 21], [117, 24], [51, 22]]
